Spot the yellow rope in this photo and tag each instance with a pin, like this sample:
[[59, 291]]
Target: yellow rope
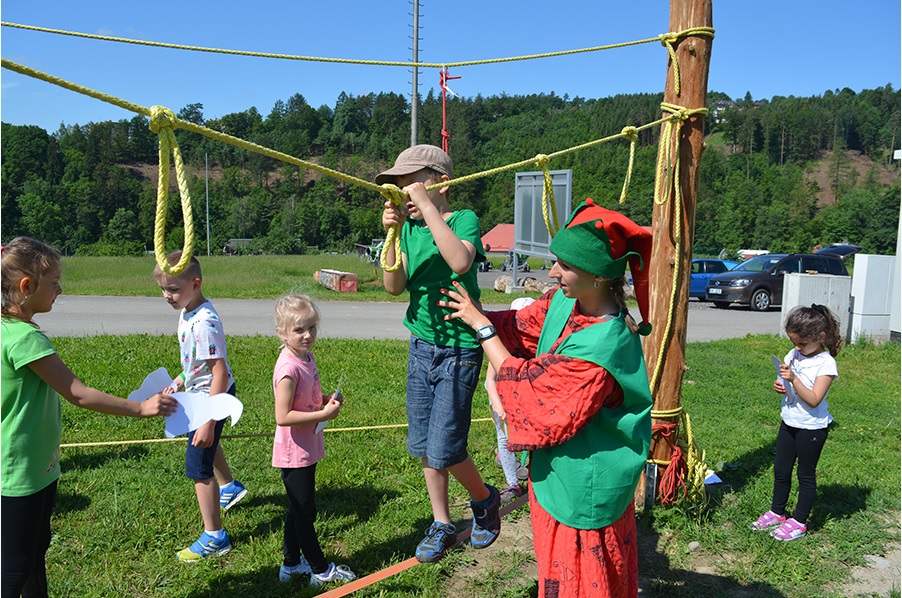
[[163, 122], [666, 39], [631, 133], [389, 191], [549, 207], [259, 435], [667, 171]]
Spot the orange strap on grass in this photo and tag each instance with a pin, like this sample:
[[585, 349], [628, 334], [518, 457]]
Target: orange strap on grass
[[362, 582]]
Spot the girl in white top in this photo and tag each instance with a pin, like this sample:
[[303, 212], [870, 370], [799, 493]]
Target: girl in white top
[[298, 446], [806, 374]]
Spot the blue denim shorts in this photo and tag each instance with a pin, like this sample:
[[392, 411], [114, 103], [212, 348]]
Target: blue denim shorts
[[440, 386], [199, 461]]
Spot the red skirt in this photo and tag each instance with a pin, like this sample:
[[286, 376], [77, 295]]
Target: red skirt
[[601, 562]]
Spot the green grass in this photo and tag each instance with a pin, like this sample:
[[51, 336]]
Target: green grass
[[124, 511], [238, 277]]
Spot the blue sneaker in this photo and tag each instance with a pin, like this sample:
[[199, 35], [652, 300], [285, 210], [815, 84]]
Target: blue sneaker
[[205, 546], [439, 538], [486, 520], [231, 495]]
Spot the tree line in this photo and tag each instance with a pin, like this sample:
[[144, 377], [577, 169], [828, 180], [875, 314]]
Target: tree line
[[91, 189]]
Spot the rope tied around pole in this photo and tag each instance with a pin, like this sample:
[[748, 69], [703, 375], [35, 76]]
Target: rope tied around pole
[[669, 39], [667, 171], [163, 122]]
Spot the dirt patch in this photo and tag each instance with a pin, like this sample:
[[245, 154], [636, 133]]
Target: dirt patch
[[701, 577], [824, 173]]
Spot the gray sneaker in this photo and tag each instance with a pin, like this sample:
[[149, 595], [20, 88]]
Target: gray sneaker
[[439, 538]]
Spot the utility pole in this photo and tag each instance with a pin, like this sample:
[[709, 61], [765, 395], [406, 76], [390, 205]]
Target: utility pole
[[673, 223], [414, 96], [207, 186]]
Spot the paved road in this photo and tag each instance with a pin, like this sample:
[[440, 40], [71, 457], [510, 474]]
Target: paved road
[[74, 315]]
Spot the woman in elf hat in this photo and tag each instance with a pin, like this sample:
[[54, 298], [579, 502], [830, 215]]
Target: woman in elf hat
[[572, 379]]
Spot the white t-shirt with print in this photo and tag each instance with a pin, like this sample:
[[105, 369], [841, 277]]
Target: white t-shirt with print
[[798, 413], [201, 337]]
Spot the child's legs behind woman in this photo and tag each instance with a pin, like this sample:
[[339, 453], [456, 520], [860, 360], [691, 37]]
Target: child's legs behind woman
[[24, 540], [300, 534]]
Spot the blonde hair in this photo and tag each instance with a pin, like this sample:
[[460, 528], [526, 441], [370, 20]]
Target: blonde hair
[[191, 271], [23, 257], [291, 309]]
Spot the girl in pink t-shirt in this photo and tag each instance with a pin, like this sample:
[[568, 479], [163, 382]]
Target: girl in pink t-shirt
[[299, 407]]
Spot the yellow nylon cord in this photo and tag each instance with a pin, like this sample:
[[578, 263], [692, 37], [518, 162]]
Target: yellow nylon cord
[[666, 39], [668, 169], [258, 435], [163, 122], [390, 192]]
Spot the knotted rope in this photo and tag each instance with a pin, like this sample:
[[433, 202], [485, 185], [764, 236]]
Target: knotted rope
[[164, 123]]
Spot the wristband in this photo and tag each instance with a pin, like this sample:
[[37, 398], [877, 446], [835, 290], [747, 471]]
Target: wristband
[[182, 376], [485, 333]]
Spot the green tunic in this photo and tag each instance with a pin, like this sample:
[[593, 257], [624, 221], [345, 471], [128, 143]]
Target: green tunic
[[588, 481]]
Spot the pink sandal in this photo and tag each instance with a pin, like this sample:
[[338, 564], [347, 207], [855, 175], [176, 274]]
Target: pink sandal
[[790, 530]]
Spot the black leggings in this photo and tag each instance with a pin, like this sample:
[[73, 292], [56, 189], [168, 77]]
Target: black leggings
[[24, 540], [300, 535], [805, 446]]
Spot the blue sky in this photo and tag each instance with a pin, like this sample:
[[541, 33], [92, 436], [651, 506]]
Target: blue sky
[[768, 48]]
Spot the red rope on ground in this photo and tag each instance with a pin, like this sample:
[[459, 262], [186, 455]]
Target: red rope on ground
[[674, 476], [378, 576]]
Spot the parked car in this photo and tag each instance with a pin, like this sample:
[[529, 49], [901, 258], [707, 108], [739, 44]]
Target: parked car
[[702, 271], [758, 282], [842, 251]]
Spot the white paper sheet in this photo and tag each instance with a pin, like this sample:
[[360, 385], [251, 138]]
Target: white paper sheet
[[193, 410], [791, 395]]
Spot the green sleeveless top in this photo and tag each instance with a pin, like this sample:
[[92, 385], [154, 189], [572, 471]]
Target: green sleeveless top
[[588, 481]]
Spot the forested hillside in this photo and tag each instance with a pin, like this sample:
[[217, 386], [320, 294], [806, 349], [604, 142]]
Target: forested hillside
[[780, 174]]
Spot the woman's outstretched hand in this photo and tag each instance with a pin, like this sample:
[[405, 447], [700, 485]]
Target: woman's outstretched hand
[[463, 307]]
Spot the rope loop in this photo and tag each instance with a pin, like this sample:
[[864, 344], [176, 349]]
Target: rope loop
[[549, 207], [162, 118], [631, 133], [163, 121], [667, 40], [397, 197]]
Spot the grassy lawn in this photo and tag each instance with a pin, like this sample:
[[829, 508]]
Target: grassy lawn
[[238, 277], [124, 511]]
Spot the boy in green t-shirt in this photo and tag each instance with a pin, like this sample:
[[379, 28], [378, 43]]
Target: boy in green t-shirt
[[438, 246]]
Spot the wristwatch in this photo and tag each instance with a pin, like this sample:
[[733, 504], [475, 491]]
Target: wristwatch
[[486, 332]]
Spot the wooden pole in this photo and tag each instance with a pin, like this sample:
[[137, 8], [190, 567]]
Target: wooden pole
[[674, 232]]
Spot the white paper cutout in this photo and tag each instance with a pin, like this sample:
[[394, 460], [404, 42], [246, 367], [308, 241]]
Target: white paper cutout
[[790, 392], [194, 409], [154, 382]]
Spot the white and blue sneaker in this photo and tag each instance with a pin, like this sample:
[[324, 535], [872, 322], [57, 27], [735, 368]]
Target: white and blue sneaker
[[205, 546], [339, 573], [230, 495], [302, 568]]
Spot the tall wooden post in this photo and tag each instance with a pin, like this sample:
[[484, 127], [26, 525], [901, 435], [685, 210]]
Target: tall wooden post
[[670, 249]]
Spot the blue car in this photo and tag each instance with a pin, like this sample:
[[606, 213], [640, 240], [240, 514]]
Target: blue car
[[702, 270]]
